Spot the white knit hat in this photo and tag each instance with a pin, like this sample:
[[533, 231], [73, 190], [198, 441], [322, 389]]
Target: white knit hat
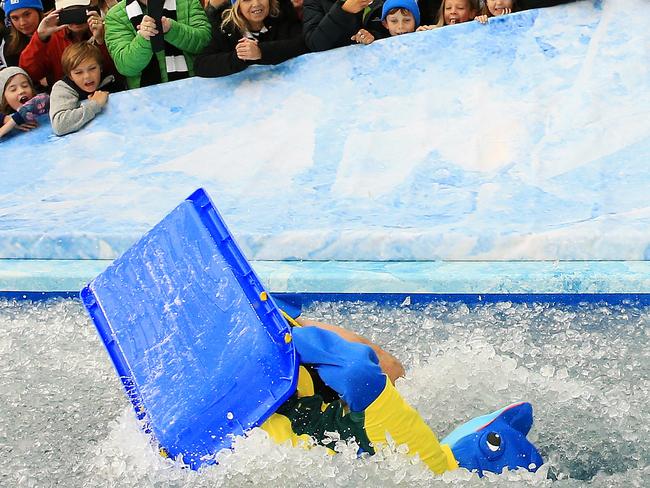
[[8, 73]]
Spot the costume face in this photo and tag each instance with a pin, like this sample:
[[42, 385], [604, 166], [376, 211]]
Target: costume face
[[254, 11], [17, 91], [496, 7], [87, 75], [25, 20], [400, 22], [457, 11]]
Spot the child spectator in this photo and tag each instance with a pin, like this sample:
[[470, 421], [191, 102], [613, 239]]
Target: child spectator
[[24, 17], [82, 65], [457, 11], [19, 104], [42, 56], [331, 23], [397, 17], [129, 34], [251, 32], [494, 8]]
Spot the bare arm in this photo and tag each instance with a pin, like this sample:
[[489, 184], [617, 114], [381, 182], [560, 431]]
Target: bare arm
[[389, 363]]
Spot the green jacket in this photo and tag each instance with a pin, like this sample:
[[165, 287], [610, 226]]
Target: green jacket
[[190, 33]]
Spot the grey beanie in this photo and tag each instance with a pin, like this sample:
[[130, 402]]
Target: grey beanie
[[7, 73]]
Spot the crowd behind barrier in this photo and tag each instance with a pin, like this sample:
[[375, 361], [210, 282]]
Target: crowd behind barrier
[[64, 57]]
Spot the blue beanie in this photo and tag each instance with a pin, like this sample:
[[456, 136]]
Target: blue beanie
[[410, 5], [11, 5]]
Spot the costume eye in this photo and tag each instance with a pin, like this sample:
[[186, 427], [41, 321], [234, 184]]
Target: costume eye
[[493, 441]]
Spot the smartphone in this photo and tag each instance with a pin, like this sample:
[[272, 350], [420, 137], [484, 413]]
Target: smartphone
[[73, 15]]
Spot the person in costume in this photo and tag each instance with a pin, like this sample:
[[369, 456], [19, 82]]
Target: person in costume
[[344, 387]]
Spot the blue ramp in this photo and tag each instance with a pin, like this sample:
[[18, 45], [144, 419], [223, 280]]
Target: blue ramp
[[201, 349]]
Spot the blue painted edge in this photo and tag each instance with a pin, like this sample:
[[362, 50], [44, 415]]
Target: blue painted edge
[[375, 278], [395, 300]]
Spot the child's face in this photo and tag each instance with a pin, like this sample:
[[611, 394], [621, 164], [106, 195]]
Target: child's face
[[254, 11], [25, 20], [457, 11], [496, 7], [17, 91], [87, 75], [400, 22]]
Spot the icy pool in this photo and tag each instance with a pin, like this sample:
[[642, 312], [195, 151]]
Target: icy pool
[[66, 422]]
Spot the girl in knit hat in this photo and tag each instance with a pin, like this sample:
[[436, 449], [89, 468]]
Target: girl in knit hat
[[19, 105], [24, 17]]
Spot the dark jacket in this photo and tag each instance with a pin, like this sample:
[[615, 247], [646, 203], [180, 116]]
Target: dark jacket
[[326, 25], [281, 41]]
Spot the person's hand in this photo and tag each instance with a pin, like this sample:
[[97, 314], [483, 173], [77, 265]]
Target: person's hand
[[425, 28], [355, 6], [100, 97], [27, 126], [49, 25], [24, 127], [483, 19], [363, 37], [248, 50], [96, 26], [147, 28], [166, 24]]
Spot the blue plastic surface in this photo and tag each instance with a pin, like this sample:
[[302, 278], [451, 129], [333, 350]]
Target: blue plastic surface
[[200, 351]]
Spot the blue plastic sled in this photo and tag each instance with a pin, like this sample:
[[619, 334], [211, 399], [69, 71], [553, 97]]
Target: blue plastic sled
[[200, 347]]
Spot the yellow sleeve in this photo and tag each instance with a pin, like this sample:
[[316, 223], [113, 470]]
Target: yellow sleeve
[[390, 413], [279, 426]]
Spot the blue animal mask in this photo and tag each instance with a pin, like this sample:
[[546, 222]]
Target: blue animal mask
[[496, 441]]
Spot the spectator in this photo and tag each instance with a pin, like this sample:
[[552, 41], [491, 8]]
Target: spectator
[[24, 17], [251, 32], [372, 17], [82, 93], [332, 23], [398, 17], [494, 8], [19, 103], [42, 56], [130, 30], [457, 11]]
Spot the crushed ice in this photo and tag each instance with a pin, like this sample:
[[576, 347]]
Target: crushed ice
[[65, 420]]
